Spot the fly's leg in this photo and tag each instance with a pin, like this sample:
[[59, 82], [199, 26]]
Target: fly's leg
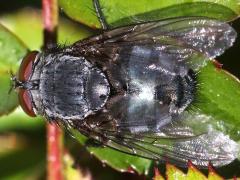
[[93, 143], [96, 139], [100, 139], [100, 14]]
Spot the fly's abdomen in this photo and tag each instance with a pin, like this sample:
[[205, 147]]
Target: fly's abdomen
[[72, 88]]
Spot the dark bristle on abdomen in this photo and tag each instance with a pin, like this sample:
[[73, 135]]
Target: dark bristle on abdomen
[[186, 89]]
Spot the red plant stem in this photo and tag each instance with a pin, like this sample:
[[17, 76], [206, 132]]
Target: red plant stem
[[54, 133], [55, 152]]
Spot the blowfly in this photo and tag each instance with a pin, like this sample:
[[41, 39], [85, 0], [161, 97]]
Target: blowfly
[[130, 87]]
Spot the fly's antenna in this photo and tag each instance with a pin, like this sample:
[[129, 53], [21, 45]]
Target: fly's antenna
[[15, 83], [100, 14], [13, 80]]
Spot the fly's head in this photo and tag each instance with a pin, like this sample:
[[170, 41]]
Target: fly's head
[[24, 84]]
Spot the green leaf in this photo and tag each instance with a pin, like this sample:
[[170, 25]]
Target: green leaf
[[8, 101], [121, 12], [82, 11], [174, 173], [18, 120], [193, 173], [12, 50], [218, 97], [116, 159], [212, 175], [27, 163], [69, 31]]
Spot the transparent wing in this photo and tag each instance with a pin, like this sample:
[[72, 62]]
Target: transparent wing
[[208, 36], [199, 149], [176, 143], [181, 37]]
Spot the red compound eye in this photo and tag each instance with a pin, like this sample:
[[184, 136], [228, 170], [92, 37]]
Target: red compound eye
[[25, 70], [24, 73], [25, 101]]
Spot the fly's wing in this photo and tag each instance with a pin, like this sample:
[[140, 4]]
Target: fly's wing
[[176, 143], [185, 38]]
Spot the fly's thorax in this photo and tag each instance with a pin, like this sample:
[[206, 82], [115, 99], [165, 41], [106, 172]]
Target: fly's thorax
[[70, 88]]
